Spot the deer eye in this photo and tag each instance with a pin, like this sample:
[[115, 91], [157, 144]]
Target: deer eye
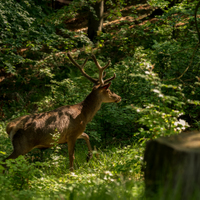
[[109, 92]]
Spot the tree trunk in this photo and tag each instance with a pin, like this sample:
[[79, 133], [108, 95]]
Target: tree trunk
[[95, 21], [172, 168]]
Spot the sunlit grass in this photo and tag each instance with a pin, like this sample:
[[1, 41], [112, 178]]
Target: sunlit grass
[[112, 173]]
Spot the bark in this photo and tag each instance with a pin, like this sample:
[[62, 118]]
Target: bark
[[95, 21], [173, 167]]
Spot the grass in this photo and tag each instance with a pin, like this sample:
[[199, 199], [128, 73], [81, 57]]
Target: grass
[[113, 173]]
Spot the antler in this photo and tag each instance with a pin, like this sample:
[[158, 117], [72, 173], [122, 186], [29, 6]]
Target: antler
[[81, 68], [102, 74], [101, 69]]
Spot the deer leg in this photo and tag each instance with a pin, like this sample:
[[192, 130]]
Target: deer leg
[[71, 147], [21, 145], [87, 139]]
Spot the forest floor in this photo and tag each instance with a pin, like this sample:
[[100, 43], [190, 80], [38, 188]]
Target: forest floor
[[142, 11]]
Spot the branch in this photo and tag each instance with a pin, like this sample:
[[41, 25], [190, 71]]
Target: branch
[[195, 49], [190, 61]]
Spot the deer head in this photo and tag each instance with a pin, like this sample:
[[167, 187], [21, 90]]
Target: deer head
[[101, 87]]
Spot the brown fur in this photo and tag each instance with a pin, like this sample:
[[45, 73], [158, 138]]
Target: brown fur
[[36, 131]]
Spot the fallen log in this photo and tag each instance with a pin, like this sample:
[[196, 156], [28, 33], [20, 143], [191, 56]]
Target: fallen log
[[172, 167]]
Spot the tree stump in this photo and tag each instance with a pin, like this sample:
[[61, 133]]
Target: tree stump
[[172, 167]]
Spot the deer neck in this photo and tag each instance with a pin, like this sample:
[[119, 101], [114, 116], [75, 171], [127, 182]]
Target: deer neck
[[90, 106]]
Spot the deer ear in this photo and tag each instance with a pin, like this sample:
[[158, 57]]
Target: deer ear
[[106, 86]]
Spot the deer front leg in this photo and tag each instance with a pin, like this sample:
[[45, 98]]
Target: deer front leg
[[71, 147], [87, 139]]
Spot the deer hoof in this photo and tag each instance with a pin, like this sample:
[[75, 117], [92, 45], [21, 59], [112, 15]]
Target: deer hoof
[[89, 156]]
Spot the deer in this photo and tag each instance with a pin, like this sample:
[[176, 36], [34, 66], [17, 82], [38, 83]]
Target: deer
[[36, 130]]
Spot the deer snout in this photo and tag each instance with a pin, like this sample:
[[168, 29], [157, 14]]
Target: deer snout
[[118, 99]]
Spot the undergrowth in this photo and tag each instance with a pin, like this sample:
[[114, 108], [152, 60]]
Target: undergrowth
[[112, 173]]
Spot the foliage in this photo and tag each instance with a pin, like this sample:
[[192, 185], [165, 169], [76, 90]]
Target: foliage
[[157, 65], [106, 176]]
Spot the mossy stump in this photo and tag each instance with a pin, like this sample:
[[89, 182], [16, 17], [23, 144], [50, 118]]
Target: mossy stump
[[172, 167]]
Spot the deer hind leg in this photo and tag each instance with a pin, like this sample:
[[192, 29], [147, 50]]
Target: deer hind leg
[[21, 145], [87, 139]]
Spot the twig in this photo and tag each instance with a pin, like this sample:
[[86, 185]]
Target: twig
[[195, 49], [190, 61], [195, 15]]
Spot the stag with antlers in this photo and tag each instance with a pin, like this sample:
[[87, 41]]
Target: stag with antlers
[[35, 131]]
